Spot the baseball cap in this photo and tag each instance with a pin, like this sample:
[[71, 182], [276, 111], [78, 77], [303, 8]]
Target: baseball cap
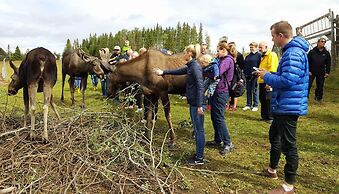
[[223, 39], [117, 48]]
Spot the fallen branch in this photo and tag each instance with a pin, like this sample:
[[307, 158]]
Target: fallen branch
[[7, 190]]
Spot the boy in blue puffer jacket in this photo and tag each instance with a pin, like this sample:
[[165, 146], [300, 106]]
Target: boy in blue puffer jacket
[[289, 101], [211, 74]]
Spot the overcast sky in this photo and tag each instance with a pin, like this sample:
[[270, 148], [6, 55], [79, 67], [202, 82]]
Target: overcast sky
[[33, 23]]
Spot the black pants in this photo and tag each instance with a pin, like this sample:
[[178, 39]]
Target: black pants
[[282, 136], [320, 79], [265, 99]]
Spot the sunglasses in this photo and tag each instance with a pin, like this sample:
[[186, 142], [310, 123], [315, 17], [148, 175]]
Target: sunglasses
[[322, 41]]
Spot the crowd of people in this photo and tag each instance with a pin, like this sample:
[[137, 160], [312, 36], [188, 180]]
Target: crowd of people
[[281, 86]]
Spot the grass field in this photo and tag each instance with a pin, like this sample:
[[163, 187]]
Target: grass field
[[240, 171]]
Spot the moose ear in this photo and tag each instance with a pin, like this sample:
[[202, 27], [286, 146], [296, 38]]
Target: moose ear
[[11, 64], [86, 58]]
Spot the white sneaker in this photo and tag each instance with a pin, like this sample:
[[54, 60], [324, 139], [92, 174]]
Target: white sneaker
[[254, 109], [246, 108], [138, 110], [129, 107], [143, 121]]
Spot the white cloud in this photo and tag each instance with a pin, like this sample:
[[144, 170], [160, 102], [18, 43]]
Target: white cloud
[[33, 23]]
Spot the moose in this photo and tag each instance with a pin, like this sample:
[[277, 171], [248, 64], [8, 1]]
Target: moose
[[37, 73], [140, 70], [75, 62]]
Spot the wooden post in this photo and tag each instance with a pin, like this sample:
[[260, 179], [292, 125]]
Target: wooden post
[[333, 42], [337, 40]]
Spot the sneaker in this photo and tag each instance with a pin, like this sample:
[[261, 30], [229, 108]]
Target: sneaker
[[195, 161], [281, 190], [247, 108], [231, 108], [138, 110], [254, 109], [209, 107], [143, 121], [213, 144], [129, 107], [269, 121], [269, 174], [227, 149], [266, 120]]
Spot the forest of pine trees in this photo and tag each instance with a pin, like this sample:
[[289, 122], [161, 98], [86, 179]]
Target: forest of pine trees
[[174, 39]]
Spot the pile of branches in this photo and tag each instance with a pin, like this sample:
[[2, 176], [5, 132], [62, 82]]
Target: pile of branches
[[87, 152]]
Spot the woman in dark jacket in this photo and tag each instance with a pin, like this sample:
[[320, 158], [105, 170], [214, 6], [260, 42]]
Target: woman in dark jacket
[[194, 95]]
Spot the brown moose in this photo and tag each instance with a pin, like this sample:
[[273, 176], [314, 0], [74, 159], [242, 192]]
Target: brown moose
[[140, 70], [76, 62], [37, 73]]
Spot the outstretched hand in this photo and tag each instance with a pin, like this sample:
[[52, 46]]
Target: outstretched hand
[[158, 71]]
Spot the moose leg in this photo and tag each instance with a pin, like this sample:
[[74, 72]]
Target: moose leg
[[150, 112], [62, 87], [26, 103], [47, 100], [54, 107], [83, 89], [167, 109], [148, 115], [32, 91], [71, 88]]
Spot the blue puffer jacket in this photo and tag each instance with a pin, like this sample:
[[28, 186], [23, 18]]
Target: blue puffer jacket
[[290, 82]]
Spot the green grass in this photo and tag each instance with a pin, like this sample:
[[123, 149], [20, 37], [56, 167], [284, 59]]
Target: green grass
[[238, 172]]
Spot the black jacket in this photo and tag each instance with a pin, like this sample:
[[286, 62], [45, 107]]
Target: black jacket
[[240, 60], [319, 61], [251, 60], [194, 82]]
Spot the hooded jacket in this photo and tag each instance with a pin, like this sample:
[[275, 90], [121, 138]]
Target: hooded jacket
[[290, 82], [269, 61]]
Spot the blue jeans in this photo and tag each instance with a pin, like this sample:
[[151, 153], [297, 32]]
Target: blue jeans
[[94, 80], [252, 91], [198, 126], [77, 82], [218, 104], [104, 85]]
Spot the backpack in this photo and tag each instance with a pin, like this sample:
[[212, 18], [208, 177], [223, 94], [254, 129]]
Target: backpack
[[238, 84]]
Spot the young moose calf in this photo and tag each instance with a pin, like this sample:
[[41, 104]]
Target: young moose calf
[[37, 73]]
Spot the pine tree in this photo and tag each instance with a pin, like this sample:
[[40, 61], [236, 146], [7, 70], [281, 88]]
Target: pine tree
[[68, 46], [175, 39], [194, 35], [17, 54], [200, 35]]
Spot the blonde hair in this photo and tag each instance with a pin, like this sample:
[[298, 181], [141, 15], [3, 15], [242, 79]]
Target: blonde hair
[[194, 49], [205, 60], [229, 47], [255, 44]]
